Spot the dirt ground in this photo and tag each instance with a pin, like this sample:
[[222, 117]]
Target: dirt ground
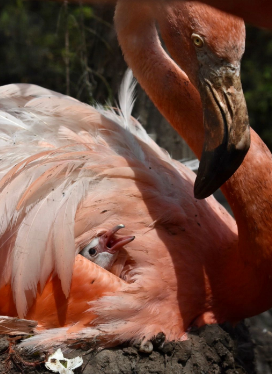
[[209, 350], [261, 335]]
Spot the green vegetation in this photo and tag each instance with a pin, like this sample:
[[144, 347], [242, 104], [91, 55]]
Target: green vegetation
[[257, 81], [48, 44]]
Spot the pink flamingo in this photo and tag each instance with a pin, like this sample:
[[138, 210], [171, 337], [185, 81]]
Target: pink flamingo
[[79, 173], [255, 12]]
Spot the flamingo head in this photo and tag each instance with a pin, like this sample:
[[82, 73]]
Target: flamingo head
[[103, 249], [208, 45]]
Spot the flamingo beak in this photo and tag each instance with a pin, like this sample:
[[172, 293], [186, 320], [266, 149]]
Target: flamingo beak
[[227, 131], [113, 244]]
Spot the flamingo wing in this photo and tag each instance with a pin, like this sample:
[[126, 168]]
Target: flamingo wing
[[70, 172]]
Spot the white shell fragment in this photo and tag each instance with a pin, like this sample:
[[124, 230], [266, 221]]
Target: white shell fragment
[[59, 364]]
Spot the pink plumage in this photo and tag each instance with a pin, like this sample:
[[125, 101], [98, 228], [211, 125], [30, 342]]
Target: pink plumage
[[80, 172], [70, 171]]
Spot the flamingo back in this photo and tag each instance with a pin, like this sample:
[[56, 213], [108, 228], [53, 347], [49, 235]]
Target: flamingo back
[[69, 170]]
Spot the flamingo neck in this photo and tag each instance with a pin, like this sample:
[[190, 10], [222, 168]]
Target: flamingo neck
[[246, 273], [164, 82], [178, 100], [248, 192], [245, 265]]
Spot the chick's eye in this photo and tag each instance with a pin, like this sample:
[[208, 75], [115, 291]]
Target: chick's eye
[[92, 251], [197, 40]]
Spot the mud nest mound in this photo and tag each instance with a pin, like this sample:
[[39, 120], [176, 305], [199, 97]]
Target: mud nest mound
[[209, 350]]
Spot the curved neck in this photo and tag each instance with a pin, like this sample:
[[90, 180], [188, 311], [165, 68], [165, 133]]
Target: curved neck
[[164, 82], [178, 100], [248, 192]]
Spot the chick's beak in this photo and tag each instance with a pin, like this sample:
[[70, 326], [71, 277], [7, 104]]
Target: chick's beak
[[112, 244], [227, 132]]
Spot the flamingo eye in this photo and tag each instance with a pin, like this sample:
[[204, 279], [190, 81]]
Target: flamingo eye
[[92, 251], [197, 40]]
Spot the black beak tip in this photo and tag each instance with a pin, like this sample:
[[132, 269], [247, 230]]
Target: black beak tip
[[215, 169], [200, 189], [203, 188]]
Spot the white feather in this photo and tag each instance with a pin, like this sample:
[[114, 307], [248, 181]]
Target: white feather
[[127, 97], [29, 249], [63, 232]]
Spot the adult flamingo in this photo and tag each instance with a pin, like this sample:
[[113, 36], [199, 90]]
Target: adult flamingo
[[78, 174]]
